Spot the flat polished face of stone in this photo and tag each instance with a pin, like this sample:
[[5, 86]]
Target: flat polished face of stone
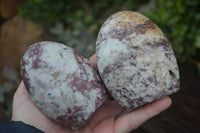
[[135, 60], [62, 83]]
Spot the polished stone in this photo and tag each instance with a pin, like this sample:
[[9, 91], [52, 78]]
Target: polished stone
[[135, 60], [63, 84]]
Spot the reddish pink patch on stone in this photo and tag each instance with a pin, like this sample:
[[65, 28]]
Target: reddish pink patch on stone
[[98, 102]]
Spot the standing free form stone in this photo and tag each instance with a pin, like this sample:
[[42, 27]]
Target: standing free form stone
[[135, 60], [62, 83]]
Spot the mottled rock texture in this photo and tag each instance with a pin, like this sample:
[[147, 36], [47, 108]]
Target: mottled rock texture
[[135, 60], [62, 83]]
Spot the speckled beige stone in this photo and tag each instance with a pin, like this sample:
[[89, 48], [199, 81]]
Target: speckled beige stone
[[62, 83], [135, 60]]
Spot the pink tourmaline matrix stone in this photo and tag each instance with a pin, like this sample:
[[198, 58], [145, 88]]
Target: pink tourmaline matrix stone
[[135, 60], [62, 83]]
